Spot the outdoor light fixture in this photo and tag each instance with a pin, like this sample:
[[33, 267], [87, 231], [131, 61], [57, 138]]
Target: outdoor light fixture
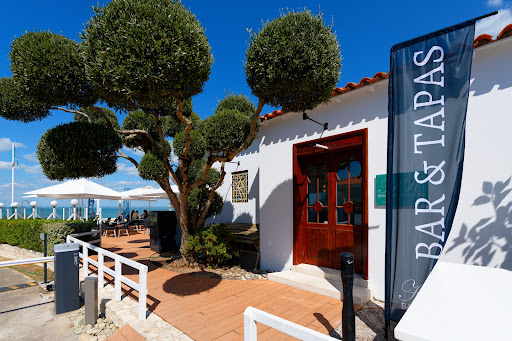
[[321, 145], [1, 210], [235, 162], [306, 117], [54, 203]]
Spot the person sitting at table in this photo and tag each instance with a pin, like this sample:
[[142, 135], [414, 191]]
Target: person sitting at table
[[135, 215], [145, 214], [120, 218]]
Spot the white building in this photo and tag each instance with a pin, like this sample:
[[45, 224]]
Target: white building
[[289, 151]]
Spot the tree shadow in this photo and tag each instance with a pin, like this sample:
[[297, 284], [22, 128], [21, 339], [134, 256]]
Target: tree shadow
[[491, 237], [192, 283]]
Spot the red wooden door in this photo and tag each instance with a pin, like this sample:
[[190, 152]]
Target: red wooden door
[[333, 207]]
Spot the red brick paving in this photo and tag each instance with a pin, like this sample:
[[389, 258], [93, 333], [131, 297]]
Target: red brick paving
[[212, 309]]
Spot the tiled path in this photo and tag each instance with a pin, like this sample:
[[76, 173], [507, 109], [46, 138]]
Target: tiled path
[[212, 309]]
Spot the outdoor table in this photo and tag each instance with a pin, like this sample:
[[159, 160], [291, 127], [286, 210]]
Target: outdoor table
[[460, 302]]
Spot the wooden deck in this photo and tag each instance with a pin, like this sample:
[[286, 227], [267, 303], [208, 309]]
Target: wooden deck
[[212, 309]]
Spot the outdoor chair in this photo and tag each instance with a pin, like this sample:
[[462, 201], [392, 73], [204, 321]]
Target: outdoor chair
[[147, 225], [126, 227], [105, 228]]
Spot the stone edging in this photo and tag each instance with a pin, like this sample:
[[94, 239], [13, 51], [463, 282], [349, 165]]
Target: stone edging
[[15, 252]]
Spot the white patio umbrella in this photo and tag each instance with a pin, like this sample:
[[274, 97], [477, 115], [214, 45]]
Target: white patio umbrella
[[76, 189], [148, 193]]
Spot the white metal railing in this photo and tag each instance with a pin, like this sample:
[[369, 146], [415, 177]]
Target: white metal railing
[[119, 260], [16, 262], [253, 315]]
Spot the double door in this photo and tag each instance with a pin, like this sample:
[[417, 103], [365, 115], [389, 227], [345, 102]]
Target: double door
[[331, 188]]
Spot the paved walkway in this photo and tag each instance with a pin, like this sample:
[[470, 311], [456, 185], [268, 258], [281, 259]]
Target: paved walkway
[[212, 309]]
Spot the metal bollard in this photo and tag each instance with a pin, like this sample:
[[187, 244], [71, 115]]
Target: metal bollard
[[91, 300], [348, 316], [43, 238]]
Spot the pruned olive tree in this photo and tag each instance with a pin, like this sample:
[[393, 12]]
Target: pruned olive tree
[[148, 59]]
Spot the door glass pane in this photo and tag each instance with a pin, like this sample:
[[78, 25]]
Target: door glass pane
[[323, 217], [311, 193], [311, 215], [342, 183], [323, 190], [342, 216]]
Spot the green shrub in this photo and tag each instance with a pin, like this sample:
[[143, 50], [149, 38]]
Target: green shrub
[[211, 245], [25, 233], [57, 232]]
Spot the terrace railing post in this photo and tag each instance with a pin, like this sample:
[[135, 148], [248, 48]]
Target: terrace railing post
[[250, 327], [143, 278], [85, 260], [117, 279], [101, 275], [348, 317]]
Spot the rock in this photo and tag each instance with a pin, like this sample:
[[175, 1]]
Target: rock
[[101, 325], [102, 337], [79, 321], [90, 331], [100, 320], [78, 331], [84, 337], [94, 338], [88, 326]]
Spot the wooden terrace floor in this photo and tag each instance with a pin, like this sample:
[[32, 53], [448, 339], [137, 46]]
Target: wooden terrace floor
[[212, 309]]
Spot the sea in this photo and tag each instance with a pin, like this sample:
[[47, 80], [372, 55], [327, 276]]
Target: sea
[[106, 212]]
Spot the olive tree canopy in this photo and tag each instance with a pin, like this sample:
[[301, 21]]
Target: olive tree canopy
[[146, 60]]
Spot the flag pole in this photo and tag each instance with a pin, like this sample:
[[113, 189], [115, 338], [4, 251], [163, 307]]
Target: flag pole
[[12, 171]]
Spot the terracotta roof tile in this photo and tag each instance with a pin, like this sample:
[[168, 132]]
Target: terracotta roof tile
[[482, 39]]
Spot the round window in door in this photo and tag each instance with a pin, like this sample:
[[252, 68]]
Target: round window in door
[[318, 194], [349, 193]]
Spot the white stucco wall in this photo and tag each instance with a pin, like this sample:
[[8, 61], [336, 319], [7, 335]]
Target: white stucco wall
[[487, 158]]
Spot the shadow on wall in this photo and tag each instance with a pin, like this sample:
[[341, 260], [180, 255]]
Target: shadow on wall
[[491, 237], [277, 234], [485, 78]]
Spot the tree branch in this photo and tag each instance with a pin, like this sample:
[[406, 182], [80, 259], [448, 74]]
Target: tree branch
[[185, 162], [209, 201], [123, 155], [74, 112]]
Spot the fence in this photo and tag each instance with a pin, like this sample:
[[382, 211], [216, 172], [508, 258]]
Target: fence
[[16, 262], [253, 315], [141, 287], [64, 213]]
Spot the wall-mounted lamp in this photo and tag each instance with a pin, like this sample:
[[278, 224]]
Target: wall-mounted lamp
[[321, 146], [235, 162], [306, 117]]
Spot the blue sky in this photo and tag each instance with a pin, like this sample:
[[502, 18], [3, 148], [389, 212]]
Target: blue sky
[[366, 31]]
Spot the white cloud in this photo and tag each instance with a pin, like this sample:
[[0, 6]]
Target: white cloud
[[32, 169], [31, 157], [5, 165], [133, 151], [6, 144], [494, 24], [128, 169], [494, 3]]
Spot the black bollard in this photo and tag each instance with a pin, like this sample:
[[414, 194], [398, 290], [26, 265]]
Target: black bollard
[[43, 237], [348, 315]]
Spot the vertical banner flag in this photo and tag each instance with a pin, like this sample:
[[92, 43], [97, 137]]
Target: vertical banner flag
[[126, 206], [90, 206], [428, 96], [15, 159]]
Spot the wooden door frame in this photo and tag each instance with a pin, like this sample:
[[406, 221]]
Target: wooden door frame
[[336, 142]]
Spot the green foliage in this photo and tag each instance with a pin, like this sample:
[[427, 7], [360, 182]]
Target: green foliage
[[78, 149], [96, 117], [57, 232], [197, 145], [293, 62], [152, 167], [237, 102], [17, 105], [140, 120], [22, 233], [226, 130], [50, 67], [196, 170], [197, 200], [211, 245], [25, 233], [145, 53]]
